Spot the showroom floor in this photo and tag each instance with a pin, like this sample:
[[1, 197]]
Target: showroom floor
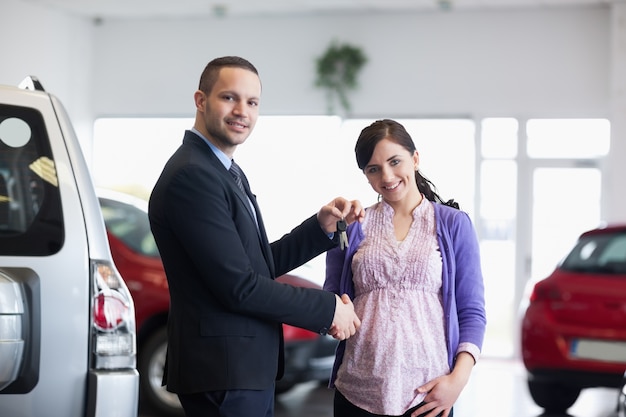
[[496, 388]]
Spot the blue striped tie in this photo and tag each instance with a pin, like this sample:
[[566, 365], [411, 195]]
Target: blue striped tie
[[236, 172]]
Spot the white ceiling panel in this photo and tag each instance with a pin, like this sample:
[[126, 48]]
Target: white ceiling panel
[[199, 8]]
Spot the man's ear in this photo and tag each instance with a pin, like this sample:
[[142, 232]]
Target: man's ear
[[200, 99]]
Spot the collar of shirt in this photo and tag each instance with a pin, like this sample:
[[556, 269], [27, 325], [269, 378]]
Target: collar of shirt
[[226, 161]]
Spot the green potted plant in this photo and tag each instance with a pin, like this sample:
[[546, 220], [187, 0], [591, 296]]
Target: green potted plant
[[337, 72]]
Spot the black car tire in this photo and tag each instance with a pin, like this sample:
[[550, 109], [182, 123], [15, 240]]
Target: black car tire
[[151, 360], [553, 397]]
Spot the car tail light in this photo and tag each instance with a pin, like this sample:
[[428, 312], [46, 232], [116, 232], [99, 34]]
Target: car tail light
[[113, 319], [110, 311], [545, 291]]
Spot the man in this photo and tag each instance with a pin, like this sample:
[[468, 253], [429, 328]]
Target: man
[[225, 345]]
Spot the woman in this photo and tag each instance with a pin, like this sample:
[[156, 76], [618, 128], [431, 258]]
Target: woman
[[412, 269]]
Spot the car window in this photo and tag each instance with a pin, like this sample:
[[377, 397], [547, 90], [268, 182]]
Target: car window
[[598, 253], [129, 224], [31, 220]]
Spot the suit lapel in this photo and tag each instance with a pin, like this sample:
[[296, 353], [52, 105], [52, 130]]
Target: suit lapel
[[244, 198], [265, 246]]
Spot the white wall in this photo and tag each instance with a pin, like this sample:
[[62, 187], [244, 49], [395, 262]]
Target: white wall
[[56, 48], [540, 62], [613, 186], [558, 62], [521, 63]]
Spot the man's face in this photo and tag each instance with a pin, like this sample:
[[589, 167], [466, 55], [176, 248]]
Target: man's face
[[228, 114]]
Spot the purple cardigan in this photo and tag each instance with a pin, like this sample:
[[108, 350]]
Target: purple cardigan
[[463, 288]]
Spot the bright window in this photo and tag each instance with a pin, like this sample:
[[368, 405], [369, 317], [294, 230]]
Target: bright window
[[568, 138], [499, 137], [308, 159]]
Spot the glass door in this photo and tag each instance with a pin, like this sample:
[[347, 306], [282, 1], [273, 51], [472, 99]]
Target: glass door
[[540, 187], [565, 203], [565, 184]]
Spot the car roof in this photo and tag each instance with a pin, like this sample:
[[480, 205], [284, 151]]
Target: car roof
[[122, 198], [606, 229]]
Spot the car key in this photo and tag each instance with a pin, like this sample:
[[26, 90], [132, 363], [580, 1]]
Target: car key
[[343, 237]]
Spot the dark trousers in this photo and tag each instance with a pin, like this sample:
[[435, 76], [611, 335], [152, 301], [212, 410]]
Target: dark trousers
[[344, 408], [230, 403]]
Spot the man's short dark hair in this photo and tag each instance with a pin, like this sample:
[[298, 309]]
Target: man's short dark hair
[[211, 71]]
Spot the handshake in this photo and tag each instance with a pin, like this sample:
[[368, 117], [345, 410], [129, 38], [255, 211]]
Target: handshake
[[345, 321]]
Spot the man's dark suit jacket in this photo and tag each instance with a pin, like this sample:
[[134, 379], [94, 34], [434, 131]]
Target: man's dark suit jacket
[[226, 310]]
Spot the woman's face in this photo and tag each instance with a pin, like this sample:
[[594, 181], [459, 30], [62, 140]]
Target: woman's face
[[391, 171]]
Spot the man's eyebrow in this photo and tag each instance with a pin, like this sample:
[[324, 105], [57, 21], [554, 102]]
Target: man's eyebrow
[[236, 94]]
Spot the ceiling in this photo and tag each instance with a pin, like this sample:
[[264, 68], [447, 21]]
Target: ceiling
[[224, 8]]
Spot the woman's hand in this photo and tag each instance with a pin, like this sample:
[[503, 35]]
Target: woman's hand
[[442, 392]]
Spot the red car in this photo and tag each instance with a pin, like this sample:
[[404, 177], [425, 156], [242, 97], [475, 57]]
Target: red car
[[573, 332], [308, 356]]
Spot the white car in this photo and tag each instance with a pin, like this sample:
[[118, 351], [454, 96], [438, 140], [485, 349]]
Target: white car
[[67, 322]]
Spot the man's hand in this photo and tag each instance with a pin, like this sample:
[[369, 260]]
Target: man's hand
[[338, 209], [345, 322]]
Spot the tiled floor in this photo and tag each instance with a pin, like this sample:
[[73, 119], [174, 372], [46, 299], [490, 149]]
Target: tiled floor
[[497, 388]]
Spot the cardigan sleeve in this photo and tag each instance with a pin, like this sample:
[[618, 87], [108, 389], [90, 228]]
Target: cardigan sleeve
[[334, 266], [470, 290], [339, 263]]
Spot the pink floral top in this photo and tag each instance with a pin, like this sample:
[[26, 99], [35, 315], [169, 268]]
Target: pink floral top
[[401, 343]]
